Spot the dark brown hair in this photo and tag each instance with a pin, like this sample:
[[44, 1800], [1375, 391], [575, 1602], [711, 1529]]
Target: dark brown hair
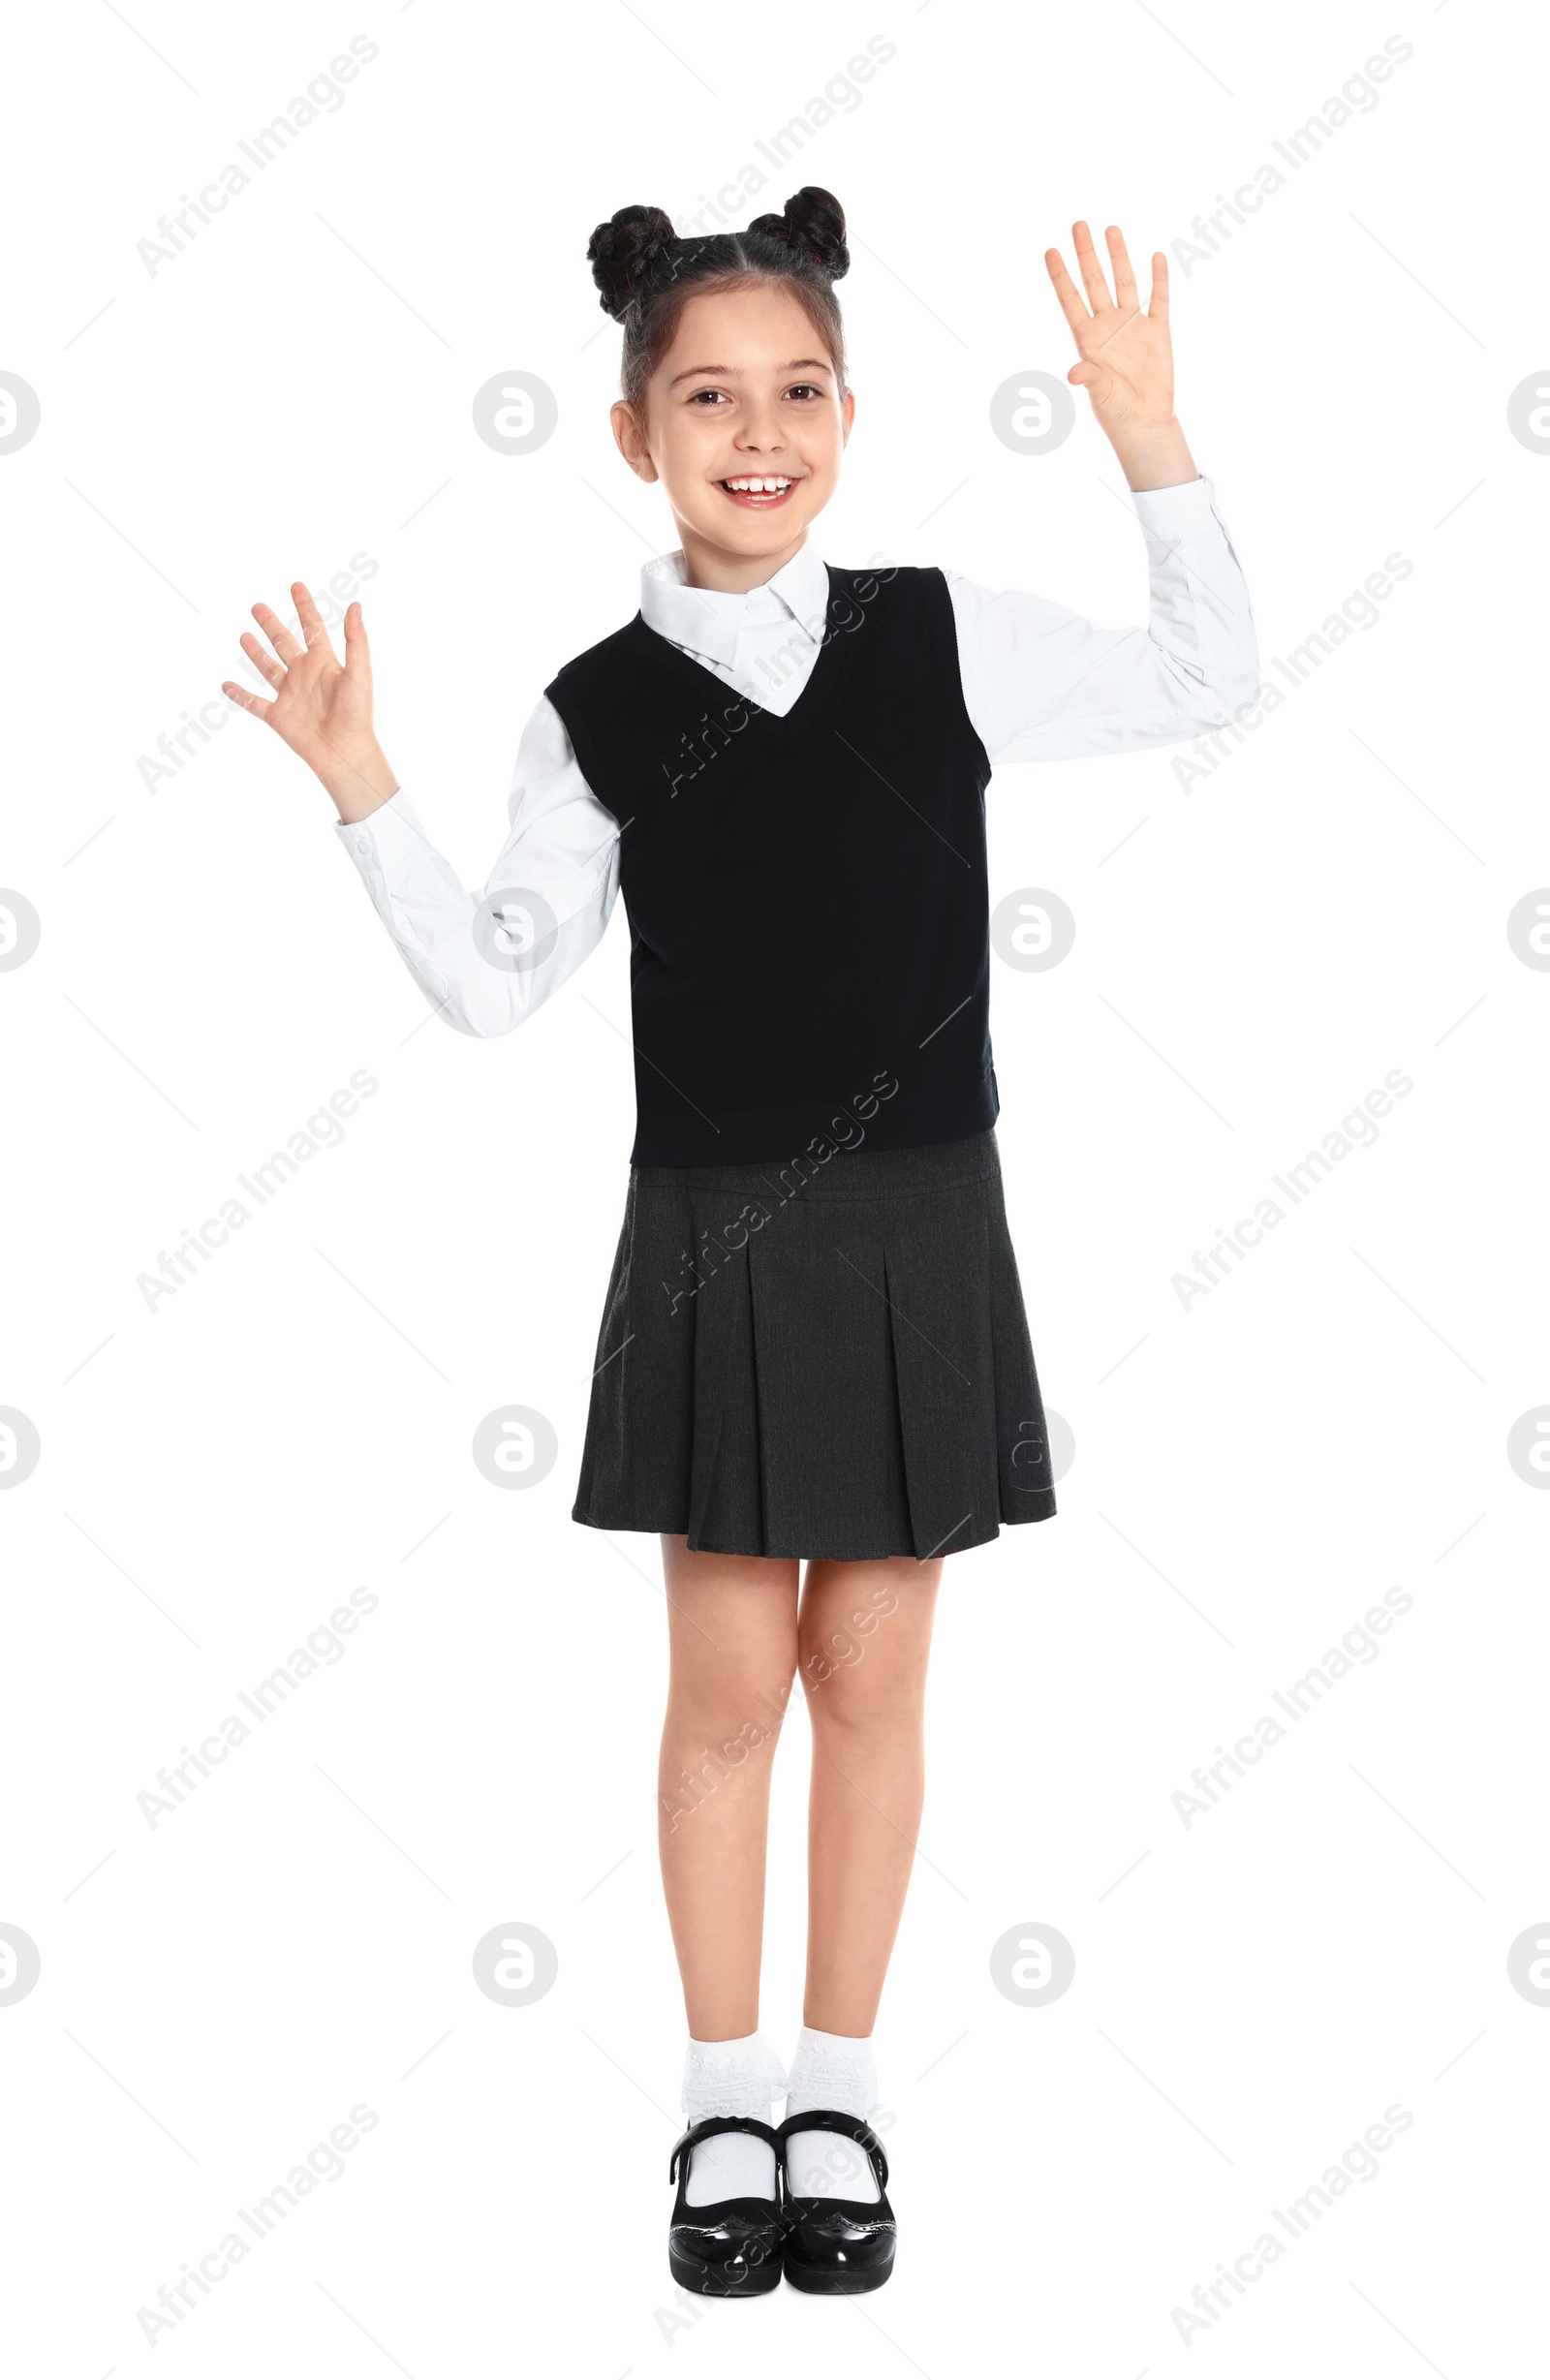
[[647, 275]]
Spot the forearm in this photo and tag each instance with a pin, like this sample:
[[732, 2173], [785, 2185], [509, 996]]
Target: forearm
[[1154, 456]]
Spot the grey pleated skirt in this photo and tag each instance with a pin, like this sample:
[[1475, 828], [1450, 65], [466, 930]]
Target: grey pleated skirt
[[825, 1360]]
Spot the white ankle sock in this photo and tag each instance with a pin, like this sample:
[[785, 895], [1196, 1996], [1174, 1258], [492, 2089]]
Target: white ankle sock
[[730, 2078], [830, 2070]]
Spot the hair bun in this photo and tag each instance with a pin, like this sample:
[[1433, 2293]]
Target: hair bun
[[813, 224], [622, 251]]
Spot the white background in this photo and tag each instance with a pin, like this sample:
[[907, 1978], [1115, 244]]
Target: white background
[[1252, 957]]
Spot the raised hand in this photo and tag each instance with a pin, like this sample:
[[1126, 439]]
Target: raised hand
[[1126, 356], [321, 709]]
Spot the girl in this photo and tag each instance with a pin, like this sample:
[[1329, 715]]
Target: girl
[[814, 1344]]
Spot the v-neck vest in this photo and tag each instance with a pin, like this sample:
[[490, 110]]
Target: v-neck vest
[[807, 892]]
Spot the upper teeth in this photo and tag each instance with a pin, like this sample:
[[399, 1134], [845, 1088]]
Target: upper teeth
[[759, 487]]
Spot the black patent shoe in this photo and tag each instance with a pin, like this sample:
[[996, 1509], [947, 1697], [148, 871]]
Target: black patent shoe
[[837, 2248], [731, 2247]]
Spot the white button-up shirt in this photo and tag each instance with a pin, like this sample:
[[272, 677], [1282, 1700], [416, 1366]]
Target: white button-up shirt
[[1040, 683]]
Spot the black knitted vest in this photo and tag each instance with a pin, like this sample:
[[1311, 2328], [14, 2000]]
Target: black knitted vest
[[807, 895]]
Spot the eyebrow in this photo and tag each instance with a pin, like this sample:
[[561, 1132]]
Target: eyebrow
[[732, 371]]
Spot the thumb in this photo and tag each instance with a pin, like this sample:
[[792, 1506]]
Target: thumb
[[1080, 375], [357, 652]]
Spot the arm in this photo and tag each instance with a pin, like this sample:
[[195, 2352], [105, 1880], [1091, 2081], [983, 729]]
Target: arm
[[1041, 683], [484, 959]]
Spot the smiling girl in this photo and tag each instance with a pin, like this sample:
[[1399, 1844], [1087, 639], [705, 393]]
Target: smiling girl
[[814, 1347]]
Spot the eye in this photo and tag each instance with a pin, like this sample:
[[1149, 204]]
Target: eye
[[805, 389], [708, 392]]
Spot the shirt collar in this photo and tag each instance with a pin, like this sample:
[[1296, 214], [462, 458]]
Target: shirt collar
[[706, 621]]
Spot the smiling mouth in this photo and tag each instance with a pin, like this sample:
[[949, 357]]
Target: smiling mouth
[[758, 489]]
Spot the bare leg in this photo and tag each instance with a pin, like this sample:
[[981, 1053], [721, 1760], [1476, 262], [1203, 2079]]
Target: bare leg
[[732, 1621], [864, 1635]]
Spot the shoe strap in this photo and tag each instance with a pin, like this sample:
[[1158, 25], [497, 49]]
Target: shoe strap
[[854, 2127], [706, 2129]]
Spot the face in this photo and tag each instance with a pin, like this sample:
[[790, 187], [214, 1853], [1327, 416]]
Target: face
[[744, 424]]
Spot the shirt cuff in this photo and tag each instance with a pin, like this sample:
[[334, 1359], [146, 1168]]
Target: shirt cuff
[[1168, 513], [390, 830]]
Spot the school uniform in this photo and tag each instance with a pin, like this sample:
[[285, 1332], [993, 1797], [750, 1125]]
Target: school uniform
[[813, 1338]]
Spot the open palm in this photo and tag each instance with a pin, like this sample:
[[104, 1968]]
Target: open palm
[[1127, 356], [322, 706]]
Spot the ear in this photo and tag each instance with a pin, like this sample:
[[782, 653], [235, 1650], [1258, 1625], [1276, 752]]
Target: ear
[[631, 441], [847, 413]]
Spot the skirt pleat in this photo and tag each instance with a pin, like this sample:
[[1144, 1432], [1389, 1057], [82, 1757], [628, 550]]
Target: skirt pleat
[[837, 1366]]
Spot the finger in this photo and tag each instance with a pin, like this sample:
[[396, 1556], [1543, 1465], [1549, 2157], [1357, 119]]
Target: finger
[[279, 635], [262, 657], [1071, 302], [311, 619], [1125, 293], [357, 652], [1158, 307], [245, 701], [1090, 270]]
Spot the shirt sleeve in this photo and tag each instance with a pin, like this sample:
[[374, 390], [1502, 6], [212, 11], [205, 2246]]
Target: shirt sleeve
[[487, 959], [1041, 683]]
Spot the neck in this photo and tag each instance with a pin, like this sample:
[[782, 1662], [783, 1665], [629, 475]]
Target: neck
[[722, 573]]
